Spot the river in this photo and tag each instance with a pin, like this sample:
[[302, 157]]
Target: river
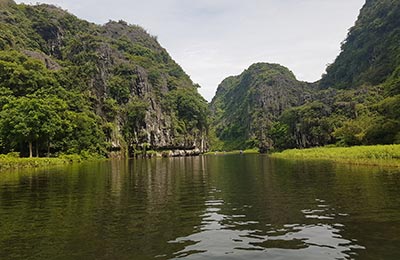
[[207, 207]]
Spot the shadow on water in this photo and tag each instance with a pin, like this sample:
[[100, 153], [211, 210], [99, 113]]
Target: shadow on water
[[208, 207]]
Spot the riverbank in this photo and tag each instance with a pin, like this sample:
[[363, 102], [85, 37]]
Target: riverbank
[[12, 161], [248, 151], [382, 155]]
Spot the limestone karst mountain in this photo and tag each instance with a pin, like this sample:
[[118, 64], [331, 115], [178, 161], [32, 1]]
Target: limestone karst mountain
[[356, 102], [120, 90]]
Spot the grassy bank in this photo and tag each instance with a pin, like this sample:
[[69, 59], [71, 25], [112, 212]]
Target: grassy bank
[[385, 155], [13, 161]]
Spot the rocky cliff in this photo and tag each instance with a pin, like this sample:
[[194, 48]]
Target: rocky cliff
[[141, 97], [370, 53], [246, 106], [356, 101]]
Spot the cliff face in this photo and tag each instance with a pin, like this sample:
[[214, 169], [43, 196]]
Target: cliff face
[[370, 54], [142, 96], [246, 106]]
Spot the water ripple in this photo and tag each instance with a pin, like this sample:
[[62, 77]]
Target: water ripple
[[234, 236]]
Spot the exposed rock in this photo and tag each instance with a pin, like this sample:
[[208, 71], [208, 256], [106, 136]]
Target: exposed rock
[[370, 53], [246, 106], [6, 2], [129, 79], [47, 61], [181, 153]]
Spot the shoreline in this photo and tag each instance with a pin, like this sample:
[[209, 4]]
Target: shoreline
[[247, 151], [377, 155], [24, 163], [14, 163]]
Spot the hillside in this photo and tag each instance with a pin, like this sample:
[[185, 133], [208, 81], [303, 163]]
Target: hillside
[[246, 106], [70, 86], [356, 102], [371, 52]]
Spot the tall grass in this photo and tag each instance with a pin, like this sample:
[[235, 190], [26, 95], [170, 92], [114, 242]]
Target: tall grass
[[367, 155], [13, 161]]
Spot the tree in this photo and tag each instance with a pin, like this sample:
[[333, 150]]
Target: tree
[[81, 132], [309, 125], [135, 113], [31, 119], [189, 106], [23, 75], [279, 133]]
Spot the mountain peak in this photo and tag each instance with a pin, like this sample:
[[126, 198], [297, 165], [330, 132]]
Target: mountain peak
[[246, 105], [271, 70], [130, 94]]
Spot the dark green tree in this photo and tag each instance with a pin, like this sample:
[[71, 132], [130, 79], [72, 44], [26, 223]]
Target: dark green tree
[[29, 120]]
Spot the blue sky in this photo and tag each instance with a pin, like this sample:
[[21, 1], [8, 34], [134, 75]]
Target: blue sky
[[214, 39]]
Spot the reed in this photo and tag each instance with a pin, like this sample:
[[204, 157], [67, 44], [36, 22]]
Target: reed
[[388, 155], [13, 161]]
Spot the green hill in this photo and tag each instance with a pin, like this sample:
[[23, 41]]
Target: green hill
[[70, 86], [246, 106], [356, 102], [371, 52]]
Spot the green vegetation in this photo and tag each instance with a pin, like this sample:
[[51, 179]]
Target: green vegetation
[[244, 111], [71, 87], [38, 113], [13, 160], [362, 116], [370, 54], [388, 155], [355, 103]]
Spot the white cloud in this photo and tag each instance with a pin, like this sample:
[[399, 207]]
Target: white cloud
[[213, 39]]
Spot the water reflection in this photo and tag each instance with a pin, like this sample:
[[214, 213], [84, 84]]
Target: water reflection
[[233, 236], [210, 207]]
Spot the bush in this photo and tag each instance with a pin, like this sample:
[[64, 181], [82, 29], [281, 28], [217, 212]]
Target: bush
[[13, 155]]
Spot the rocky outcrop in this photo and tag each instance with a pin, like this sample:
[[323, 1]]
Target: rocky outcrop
[[181, 153], [46, 60], [4, 3]]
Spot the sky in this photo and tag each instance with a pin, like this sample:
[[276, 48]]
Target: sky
[[214, 39]]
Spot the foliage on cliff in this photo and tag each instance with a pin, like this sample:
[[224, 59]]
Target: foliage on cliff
[[246, 106], [371, 52], [356, 102], [343, 117], [68, 85]]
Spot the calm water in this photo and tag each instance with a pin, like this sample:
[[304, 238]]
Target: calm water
[[210, 207]]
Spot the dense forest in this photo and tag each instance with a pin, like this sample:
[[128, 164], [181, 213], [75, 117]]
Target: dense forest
[[70, 86], [356, 102]]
